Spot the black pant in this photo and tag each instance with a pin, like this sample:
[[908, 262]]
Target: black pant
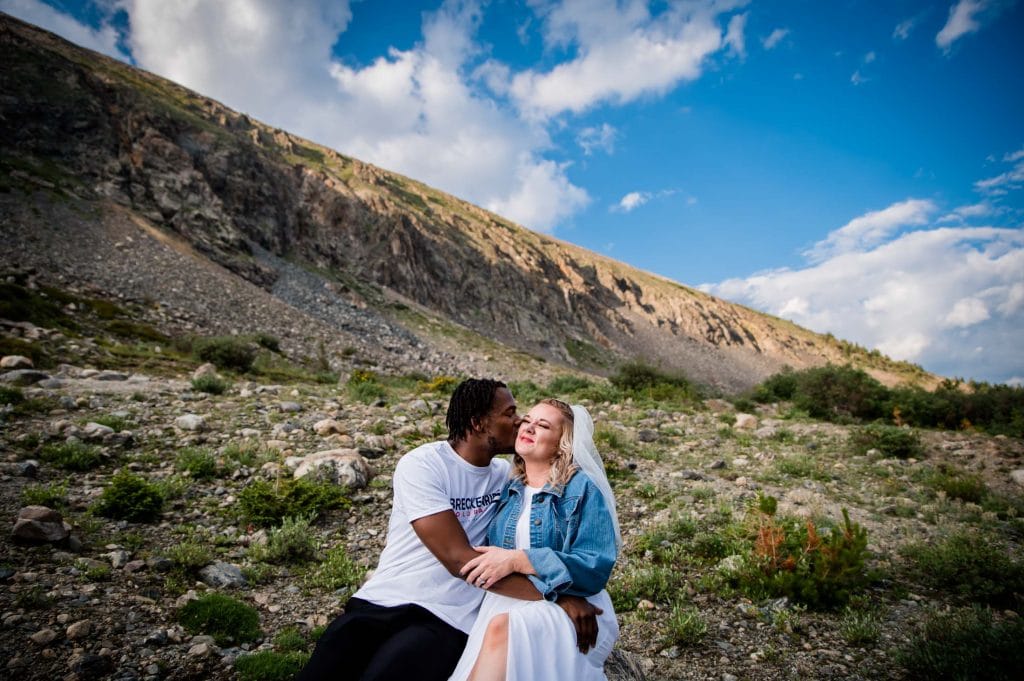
[[372, 643]]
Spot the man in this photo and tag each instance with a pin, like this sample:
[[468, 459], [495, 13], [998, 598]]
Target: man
[[409, 621]]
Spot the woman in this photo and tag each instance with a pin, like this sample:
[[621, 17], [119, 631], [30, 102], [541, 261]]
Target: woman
[[555, 523]]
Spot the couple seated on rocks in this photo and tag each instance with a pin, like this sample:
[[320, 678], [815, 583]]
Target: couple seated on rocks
[[490, 570]]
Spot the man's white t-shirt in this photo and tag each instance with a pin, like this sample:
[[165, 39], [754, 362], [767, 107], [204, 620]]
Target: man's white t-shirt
[[430, 479]]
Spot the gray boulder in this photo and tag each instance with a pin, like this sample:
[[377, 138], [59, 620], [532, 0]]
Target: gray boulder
[[40, 524], [222, 575], [23, 377], [340, 466]]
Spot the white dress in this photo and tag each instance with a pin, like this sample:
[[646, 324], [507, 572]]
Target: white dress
[[542, 638]]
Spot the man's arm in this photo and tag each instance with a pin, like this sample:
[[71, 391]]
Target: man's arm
[[443, 535]]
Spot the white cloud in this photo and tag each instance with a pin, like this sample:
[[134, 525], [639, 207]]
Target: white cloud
[[857, 78], [974, 210], [734, 39], [871, 229], [930, 296], [103, 39], [633, 200], [967, 312], [597, 138], [622, 52], [903, 29], [1014, 156], [1015, 381], [962, 20], [1004, 182], [774, 38], [870, 57]]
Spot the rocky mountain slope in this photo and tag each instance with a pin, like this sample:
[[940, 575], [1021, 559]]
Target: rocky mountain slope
[[142, 171]]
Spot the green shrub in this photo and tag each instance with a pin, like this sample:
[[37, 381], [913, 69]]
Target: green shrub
[[337, 571], [566, 385], [228, 620], [793, 558], [663, 542], [51, 496], [859, 626], [780, 387], [527, 393], [268, 504], [265, 340], [958, 484], [968, 564], [292, 542], [290, 640], [198, 462], [890, 441], [210, 383], [267, 665], [130, 497], [191, 556], [116, 423], [144, 332], [365, 386], [227, 352], [965, 644], [657, 583], [801, 466], [685, 626], [444, 385], [639, 379], [12, 396], [72, 456], [249, 454]]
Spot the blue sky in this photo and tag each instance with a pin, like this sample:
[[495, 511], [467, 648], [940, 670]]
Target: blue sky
[[854, 166]]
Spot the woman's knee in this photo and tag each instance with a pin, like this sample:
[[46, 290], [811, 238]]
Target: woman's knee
[[496, 634]]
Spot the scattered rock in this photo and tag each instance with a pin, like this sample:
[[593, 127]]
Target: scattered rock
[[79, 629], [23, 377], [40, 524], [16, 362], [745, 422], [191, 422], [290, 407], [1018, 476], [205, 370], [340, 466], [328, 427], [647, 435], [110, 376], [44, 637], [222, 575]]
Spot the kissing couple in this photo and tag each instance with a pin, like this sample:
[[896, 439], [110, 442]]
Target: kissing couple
[[491, 571]]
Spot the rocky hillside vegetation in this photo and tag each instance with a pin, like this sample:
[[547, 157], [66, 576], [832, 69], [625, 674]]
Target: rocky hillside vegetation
[[198, 507], [113, 178]]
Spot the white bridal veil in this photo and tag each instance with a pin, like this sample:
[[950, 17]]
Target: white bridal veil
[[584, 455]]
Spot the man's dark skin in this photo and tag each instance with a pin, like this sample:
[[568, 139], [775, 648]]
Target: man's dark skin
[[442, 534]]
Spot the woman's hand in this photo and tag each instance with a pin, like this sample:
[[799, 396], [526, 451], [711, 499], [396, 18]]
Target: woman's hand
[[493, 564]]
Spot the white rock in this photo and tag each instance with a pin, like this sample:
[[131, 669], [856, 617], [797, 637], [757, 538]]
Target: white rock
[[96, 430], [340, 466], [328, 427], [16, 362], [191, 422], [745, 422], [1018, 476], [43, 637], [79, 629], [207, 369]]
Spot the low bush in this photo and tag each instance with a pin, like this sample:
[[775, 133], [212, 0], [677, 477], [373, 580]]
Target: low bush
[[12, 396], [641, 380], [794, 558], [265, 340], [227, 352], [956, 483], [228, 620], [72, 456], [210, 384], [685, 626], [444, 385], [860, 626], [189, 555], [130, 497], [51, 496], [890, 441], [365, 386], [290, 640], [964, 644], [972, 565], [268, 665], [292, 542], [566, 385], [116, 423], [198, 462], [659, 584], [128, 329], [268, 504], [337, 571]]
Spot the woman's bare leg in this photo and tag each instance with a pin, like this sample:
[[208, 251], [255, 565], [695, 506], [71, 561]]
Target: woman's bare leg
[[493, 656]]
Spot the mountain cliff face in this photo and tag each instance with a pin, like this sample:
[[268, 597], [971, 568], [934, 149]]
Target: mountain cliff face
[[93, 130]]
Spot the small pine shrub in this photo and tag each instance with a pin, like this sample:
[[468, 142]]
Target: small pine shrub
[[891, 441], [686, 626], [972, 565], [51, 496], [965, 644], [337, 571], [209, 383], [198, 462], [130, 497], [268, 504], [292, 542], [72, 456], [268, 665], [228, 620], [793, 559], [227, 352]]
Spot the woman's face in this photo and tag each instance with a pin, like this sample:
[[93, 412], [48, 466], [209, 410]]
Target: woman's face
[[539, 433]]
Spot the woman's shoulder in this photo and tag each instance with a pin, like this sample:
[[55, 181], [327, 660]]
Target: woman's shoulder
[[580, 483]]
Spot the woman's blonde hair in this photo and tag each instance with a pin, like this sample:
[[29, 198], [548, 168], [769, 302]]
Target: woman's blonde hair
[[562, 467]]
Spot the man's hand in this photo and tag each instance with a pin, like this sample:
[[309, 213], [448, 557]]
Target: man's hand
[[583, 615]]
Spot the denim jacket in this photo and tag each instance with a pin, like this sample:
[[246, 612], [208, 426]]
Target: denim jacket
[[572, 539]]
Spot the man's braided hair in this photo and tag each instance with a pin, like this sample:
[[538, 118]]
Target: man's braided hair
[[471, 401]]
